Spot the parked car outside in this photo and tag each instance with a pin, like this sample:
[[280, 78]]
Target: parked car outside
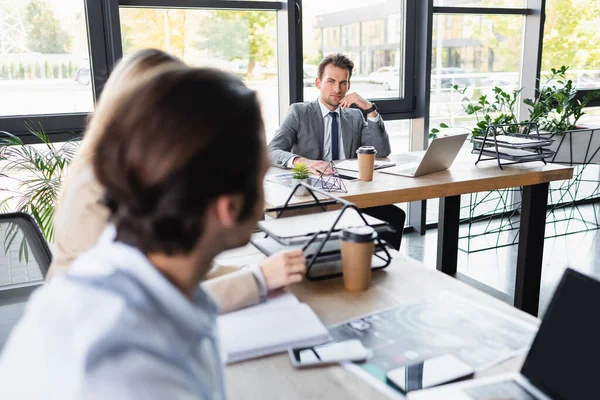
[[392, 80], [83, 76], [309, 74], [383, 74], [449, 76]]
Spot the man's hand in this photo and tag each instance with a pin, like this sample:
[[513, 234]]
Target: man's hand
[[284, 268], [315, 167], [355, 98]]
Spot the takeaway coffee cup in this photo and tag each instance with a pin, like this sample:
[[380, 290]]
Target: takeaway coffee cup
[[366, 162], [357, 244]]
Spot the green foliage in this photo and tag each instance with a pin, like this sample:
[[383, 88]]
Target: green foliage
[[569, 34], [38, 172], [300, 171], [556, 108], [500, 109], [244, 35], [44, 31]]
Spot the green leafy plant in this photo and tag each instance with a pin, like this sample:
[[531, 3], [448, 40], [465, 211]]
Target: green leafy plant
[[556, 108], [35, 174], [500, 109], [300, 171]]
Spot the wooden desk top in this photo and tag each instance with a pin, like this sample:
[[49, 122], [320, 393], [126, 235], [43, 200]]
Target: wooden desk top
[[403, 281], [462, 178]]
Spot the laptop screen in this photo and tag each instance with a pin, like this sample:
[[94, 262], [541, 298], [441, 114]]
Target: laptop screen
[[563, 360]]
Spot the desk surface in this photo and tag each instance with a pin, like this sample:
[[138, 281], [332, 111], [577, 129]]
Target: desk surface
[[403, 281], [463, 177]]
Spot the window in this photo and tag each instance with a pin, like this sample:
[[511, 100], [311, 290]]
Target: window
[[372, 36], [44, 58], [571, 38], [480, 3], [476, 52], [243, 42]]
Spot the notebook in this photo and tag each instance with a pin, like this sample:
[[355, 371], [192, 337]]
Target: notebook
[[271, 327]]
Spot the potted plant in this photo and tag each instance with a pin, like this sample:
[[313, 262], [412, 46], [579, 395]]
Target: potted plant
[[556, 110], [300, 174], [498, 110], [36, 173]]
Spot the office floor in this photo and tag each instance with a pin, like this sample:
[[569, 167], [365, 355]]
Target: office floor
[[496, 268]]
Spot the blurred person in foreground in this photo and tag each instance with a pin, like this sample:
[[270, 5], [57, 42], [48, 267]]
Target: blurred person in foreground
[[129, 319], [81, 214]]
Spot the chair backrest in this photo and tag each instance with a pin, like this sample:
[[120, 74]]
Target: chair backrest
[[24, 261], [21, 240]]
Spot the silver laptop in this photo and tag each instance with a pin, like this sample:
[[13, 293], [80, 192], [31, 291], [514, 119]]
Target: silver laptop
[[563, 360], [439, 156]]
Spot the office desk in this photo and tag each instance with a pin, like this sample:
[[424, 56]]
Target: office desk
[[462, 178], [403, 281]]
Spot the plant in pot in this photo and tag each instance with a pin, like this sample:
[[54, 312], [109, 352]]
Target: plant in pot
[[300, 174], [556, 110], [499, 109], [34, 175]]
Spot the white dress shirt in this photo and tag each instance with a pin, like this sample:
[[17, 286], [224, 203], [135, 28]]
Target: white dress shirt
[[113, 327], [327, 135]]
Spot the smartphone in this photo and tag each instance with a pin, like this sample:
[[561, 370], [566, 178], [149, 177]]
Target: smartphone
[[428, 373], [329, 353]]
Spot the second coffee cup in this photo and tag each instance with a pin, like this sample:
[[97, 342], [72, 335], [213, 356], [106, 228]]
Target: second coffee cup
[[357, 247], [366, 162]]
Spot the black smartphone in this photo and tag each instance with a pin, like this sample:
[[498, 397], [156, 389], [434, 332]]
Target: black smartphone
[[428, 373]]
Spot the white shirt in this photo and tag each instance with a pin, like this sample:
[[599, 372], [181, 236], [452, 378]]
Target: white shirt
[[327, 134], [113, 327]]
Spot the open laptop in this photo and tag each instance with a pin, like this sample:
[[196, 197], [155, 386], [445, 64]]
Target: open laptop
[[439, 156], [563, 360]]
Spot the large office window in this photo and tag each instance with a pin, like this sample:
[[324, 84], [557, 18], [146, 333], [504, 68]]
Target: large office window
[[476, 53], [372, 35], [243, 42], [571, 38], [44, 58], [481, 3]]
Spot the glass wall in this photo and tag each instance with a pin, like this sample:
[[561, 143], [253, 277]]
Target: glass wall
[[44, 58], [372, 35], [571, 38], [475, 53], [243, 42], [481, 3]]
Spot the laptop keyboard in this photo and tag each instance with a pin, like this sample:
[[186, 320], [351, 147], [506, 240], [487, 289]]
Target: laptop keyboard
[[410, 171], [505, 390]]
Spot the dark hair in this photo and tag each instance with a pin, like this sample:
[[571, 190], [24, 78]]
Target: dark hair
[[337, 60], [163, 155]]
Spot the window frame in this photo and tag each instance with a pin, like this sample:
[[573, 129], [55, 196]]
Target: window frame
[[65, 126], [390, 108]]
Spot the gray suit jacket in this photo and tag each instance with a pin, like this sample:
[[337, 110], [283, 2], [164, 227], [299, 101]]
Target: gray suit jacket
[[302, 134]]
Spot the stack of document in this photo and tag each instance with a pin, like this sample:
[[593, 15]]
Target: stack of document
[[268, 328]]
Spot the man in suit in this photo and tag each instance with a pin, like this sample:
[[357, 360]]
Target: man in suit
[[328, 129]]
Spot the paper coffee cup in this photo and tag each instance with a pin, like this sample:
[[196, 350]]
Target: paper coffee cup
[[357, 245], [366, 162]]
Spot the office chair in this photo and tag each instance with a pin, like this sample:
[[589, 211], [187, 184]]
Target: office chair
[[14, 296]]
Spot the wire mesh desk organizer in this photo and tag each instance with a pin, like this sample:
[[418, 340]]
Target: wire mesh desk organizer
[[318, 235], [516, 143], [332, 182]]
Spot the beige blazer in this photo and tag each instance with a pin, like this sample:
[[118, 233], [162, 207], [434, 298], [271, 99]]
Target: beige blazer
[[80, 218]]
